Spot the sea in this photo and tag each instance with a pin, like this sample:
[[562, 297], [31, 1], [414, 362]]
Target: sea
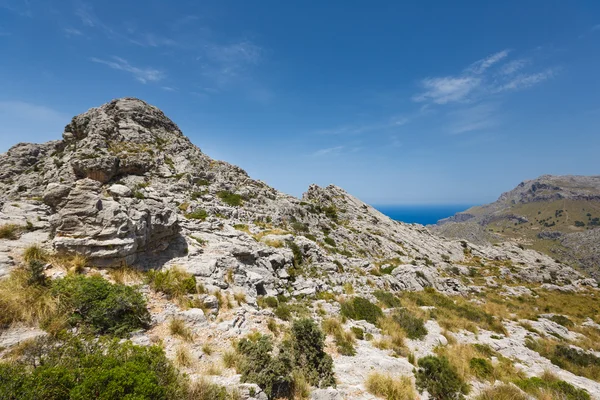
[[421, 214]]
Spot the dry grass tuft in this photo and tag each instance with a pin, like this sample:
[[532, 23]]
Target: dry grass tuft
[[177, 327], [35, 252], [390, 388], [9, 231], [183, 357], [230, 359], [126, 274], [21, 302], [503, 392]]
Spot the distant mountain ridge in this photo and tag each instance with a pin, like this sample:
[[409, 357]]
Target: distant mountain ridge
[[558, 215]]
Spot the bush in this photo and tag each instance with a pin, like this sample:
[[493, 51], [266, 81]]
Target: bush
[[440, 379], [562, 320], [302, 356], [387, 298], [308, 344], [329, 241], [298, 258], [359, 308], [559, 388], [174, 282], [413, 326], [271, 302], [283, 312], [481, 368], [200, 214], [104, 307], [229, 198], [359, 333], [387, 387], [79, 369], [35, 268]]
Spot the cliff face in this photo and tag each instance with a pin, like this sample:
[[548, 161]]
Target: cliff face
[[125, 187], [558, 215]]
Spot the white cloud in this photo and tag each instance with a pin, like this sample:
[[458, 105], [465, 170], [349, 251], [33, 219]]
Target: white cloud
[[328, 151], [447, 89], [392, 122], [72, 32], [225, 64], [143, 75], [476, 118], [168, 89], [524, 81], [479, 67], [514, 66], [481, 79]]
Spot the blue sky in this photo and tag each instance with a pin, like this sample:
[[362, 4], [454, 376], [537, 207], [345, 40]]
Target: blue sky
[[397, 102]]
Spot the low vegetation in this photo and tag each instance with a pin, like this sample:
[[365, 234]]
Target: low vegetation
[[105, 308], [359, 308], [571, 359], [390, 388], [230, 198], [174, 282], [440, 379], [549, 386], [413, 326], [299, 361], [9, 231]]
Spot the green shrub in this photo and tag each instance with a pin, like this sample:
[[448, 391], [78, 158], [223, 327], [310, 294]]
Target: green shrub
[[502, 392], [387, 298], [173, 282], [298, 258], [413, 326], [200, 214], [331, 213], [302, 355], [104, 307], [299, 227], [229, 198], [271, 301], [562, 389], [440, 379], [329, 241], [80, 369], [481, 368], [283, 312], [35, 269], [562, 320], [359, 333], [359, 308], [308, 349]]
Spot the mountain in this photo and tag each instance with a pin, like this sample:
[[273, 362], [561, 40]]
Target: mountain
[[125, 228], [557, 215]]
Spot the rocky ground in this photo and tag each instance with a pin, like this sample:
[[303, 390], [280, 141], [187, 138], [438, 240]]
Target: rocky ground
[[129, 193]]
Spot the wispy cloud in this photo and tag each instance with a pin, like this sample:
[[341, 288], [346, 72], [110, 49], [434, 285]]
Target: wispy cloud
[[390, 123], [475, 118], [480, 66], [168, 89], [226, 63], [72, 32], [19, 7], [447, 89], [524, 81], [328, 151], [488, 76], [595, 28], [143, 75], [90, 20], [513, 66]]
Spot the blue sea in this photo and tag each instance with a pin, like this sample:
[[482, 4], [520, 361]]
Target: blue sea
[[421, 214]]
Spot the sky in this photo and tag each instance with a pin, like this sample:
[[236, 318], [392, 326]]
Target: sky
[[413, 102]]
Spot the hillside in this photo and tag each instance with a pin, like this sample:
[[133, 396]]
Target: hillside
[[557, 215], [226, 288]]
